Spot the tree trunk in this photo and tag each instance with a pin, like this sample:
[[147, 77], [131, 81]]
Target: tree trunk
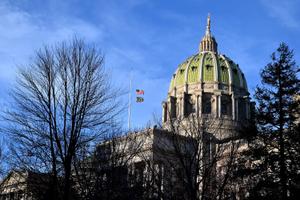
[[67, 181], [283, 178]]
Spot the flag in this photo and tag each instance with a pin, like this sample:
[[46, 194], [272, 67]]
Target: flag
[[139, 99], [139, 92]]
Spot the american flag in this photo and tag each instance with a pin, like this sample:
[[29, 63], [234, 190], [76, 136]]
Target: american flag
[[139, 92]]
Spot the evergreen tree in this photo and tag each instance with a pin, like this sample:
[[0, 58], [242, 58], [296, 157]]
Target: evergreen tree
[[276, 149]]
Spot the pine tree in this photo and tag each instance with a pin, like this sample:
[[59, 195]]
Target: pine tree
[[276, 120]]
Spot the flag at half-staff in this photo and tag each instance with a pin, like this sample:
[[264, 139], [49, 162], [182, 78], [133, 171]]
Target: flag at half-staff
[[138, 98], [139, 92]]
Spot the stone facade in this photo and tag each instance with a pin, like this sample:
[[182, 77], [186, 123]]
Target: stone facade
[[24, 185]]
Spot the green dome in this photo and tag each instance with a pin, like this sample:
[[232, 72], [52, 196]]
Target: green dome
[[208, 84], [209, 67]]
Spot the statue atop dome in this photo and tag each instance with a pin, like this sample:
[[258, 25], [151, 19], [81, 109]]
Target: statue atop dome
[[207, 33]]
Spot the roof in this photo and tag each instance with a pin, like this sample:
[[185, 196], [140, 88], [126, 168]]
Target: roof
[[208, 67]]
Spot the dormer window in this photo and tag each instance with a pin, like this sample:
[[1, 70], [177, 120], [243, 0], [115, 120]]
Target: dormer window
[[208, 67], [208, 58], [181, 71], [194, 68]]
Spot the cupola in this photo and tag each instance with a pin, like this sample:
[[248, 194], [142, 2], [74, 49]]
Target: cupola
[[208, 42]]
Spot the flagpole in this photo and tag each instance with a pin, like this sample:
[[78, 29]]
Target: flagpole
[[129, 101]]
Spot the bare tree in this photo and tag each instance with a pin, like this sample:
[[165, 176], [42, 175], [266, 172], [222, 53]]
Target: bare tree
[[63, 102], [192, 159], [197, 155], [106, 173]]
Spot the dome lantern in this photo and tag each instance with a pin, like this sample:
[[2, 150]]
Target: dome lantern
[[208, 42]]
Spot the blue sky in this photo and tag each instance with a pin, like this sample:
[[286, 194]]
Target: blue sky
[[151, 37]]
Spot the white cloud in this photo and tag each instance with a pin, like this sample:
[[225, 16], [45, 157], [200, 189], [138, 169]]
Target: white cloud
[[22, 33], [126, 40], [285, 11]]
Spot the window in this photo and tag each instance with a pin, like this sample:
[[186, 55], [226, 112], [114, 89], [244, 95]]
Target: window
[[104, 152], [236, 79], [173, 107], [139, 168], [208, 67], [189, 105], [208, 73], [118, 175], [206, 103], [224, 74], [226, 105], [242, 109]]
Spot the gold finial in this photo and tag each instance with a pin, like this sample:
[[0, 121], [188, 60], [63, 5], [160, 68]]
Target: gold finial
[[208, 25]]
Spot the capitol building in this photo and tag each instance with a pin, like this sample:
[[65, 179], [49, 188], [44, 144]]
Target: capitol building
[[191, 155], [205, 120]]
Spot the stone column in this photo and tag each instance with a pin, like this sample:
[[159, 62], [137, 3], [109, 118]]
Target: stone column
[[183, 105], [233, 106], [164, 112], [169, 108], [236, 108], [181, 112], [219, 106], [198, 105], [214, 106]]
